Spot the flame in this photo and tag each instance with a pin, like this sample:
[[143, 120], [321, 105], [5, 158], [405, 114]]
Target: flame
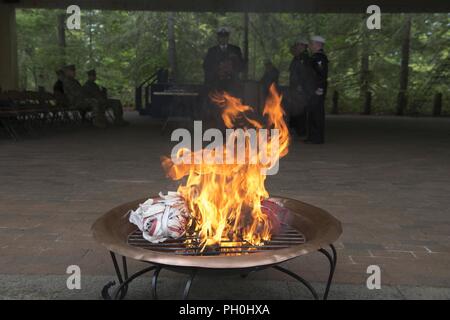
[[225, 199]]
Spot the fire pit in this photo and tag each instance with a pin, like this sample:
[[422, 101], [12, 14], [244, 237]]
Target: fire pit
[[306, 229], [221, 206]]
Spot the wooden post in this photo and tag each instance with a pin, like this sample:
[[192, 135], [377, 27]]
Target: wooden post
[[9, 70], [364, 76], [172, 46], [335, 108], [62, 38], [402, 101], [367, 103], [404, 68], [246, 54], [90, 38], [437, 106]]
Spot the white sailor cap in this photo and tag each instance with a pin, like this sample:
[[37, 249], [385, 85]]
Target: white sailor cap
[[318, 39], [223, 30]]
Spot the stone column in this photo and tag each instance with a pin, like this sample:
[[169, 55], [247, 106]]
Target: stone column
[[9, 73]]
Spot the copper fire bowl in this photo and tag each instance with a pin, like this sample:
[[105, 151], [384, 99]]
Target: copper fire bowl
[[318, 226]]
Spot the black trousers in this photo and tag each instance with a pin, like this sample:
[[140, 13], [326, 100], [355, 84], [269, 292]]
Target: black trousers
[[316, 120], [299, 124]]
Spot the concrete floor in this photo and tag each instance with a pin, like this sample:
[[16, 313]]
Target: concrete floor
[[387, 179]]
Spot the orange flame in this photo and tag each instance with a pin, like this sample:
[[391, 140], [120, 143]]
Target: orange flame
[[225, 199]]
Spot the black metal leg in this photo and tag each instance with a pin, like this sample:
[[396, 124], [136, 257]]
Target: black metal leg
[[116, 266], [125, 274], [105, 291], [332, 258], [297, 277], [188, 284], [155, 281], [123, 280], [126, 282], [118, 292]]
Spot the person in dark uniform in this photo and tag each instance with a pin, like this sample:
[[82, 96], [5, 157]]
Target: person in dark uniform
[[300, 86], [270, 76], [316, 119], [58, 87], [223, 64]]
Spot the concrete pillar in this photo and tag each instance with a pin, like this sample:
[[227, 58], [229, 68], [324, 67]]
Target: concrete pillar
[[9, 73]]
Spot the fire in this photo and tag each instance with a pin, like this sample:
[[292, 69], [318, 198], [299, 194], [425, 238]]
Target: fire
[[225, 199]]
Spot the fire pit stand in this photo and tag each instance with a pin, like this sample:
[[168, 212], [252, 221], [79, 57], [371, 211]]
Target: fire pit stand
[[307, 229]]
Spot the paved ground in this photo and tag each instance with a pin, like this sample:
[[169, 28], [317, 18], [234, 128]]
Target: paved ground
[[385, 178]]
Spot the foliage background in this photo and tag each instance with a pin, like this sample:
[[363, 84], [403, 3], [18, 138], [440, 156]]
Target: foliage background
[[126, 47]]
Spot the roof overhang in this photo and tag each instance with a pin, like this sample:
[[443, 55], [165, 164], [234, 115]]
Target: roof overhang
[[299, 6]]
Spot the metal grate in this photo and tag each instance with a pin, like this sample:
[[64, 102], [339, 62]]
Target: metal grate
[[190, 246]]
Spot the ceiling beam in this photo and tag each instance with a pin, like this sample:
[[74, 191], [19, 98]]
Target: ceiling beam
[[300, 6]]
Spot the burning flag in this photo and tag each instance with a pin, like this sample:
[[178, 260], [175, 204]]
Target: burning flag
[[160, 219], [225, 198]]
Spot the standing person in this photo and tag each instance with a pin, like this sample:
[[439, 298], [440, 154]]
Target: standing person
[[77, 98], [300, 86], [319, 62], [270, 76], [58, 87], [94, 91], [223, 64]]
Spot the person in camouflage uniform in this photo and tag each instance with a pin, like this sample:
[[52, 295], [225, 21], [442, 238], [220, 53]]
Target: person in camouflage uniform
[[77, 98], [93, 91]]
